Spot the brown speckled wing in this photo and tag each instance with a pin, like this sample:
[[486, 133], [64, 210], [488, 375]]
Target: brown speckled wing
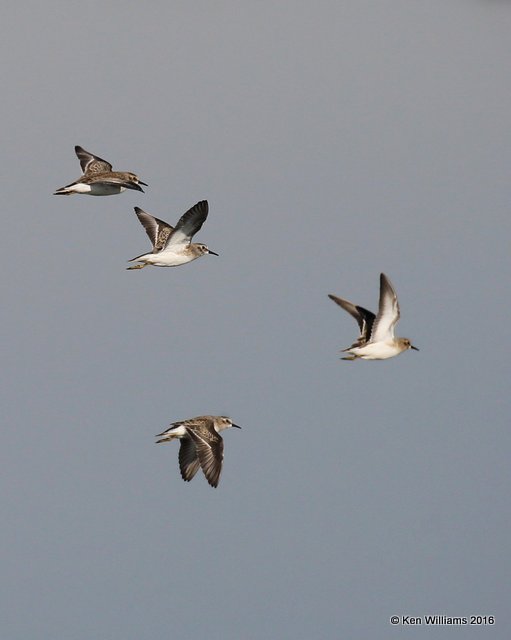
[[158, 231], [210, 450], [90, 163]]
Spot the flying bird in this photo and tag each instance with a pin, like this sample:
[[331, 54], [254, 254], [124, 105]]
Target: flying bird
[[377, 340], [201, 445], [173, 246], [98, 179]]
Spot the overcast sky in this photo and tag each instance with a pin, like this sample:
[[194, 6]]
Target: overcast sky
[[333, 141]]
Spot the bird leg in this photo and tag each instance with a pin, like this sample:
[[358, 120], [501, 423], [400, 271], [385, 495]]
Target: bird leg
[[137, 266]]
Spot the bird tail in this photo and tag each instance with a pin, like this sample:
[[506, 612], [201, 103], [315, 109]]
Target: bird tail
[[165, 437], [63, 191]]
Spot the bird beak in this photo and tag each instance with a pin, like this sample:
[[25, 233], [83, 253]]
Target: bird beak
[[235, 425], [140, 182], [212, 252], [414, 348], [132, 185]]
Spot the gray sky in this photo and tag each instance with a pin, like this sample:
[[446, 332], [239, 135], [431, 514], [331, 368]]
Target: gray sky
[[333, 140]]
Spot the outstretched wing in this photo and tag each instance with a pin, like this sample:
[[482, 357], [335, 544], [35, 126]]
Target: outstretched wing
[[157, 230], [188, 460], [189, 223], [210, 451], [90, 163], [388, 312], [364, 318]]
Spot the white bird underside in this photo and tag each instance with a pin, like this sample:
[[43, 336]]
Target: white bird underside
[[376, 350], [166, 258]]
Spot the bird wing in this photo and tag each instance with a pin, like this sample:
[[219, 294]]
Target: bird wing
[[157, 230], [364, 318], [210, 450], [189, 223], [388, 312], [188, 460], [90, 163]]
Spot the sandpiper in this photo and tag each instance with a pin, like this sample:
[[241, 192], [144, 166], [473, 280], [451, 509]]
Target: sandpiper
[[173, 246], [201, 445], [98, 178], [376, 340]]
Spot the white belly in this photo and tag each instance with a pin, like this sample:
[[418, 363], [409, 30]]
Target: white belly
[[169, 259], [376, 351]]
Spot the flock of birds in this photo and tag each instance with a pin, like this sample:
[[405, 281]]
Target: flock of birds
[[201, 445]]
